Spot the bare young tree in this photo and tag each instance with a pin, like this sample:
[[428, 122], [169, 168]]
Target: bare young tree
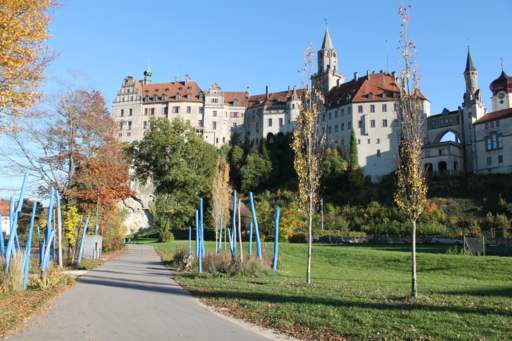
[[308, 146], [411, 188]]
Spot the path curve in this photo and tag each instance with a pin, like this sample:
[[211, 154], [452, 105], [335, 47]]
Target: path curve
[[131, 297]]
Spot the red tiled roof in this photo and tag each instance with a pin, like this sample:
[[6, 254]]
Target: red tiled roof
[[371, 88], [171, 89], [495, 115], [4, 207], [242, 98], [274, 97]]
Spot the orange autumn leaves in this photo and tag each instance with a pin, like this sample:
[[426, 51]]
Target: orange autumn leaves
[[23, 55]]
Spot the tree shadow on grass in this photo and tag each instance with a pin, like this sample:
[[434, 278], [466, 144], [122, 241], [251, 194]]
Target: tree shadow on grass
[[405, 306], [497, 292]]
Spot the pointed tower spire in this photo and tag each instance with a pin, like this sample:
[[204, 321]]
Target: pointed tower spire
[[327, 43], [469, 62]]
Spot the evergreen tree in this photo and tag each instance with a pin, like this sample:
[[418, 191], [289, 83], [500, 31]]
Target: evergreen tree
[[353, 161]]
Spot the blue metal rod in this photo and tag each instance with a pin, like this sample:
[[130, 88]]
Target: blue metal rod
[[201, 250], [12, 235], [2, 242], [197, 233], [250, 239], [28, 246], [234, 224], [276, 238], [256, 229], [82, 241]]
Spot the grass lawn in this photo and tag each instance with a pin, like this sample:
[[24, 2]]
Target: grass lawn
[[361, 292]]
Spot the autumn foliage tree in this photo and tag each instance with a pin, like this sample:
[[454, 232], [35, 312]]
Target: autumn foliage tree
[[23, 55], [220, 193], [411, 188]]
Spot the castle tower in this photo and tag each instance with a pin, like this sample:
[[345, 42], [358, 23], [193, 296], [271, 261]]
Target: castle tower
[[501, 89], [147, 75], [471, 78], [472, 109], [327, 75]]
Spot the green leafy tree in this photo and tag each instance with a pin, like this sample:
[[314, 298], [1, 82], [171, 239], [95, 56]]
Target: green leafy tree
[[236, 159], [255, 172], [181, 165]]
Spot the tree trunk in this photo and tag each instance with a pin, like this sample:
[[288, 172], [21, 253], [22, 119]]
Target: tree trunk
[[310, 238], [414, 289]]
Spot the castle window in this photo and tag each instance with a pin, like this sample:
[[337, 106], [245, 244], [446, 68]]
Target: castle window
[[384, 107], [493, 142], [384, 123], [378, 141], [335, 128], [176, 109], [343, 126], [129, 125], [145, 111], [372, 123], [360, 123], [358, 141], [122, 112], [489, 161], [330, 115], [153, 111], [369, 141], [360, 109], [349, 125], [145, 124], [214, 113], [395, 107], [214, 125], [270, 122], [349, 110], [336, 114], [323, 117], [500, 158], [189, 109], [215, 100], [280, 122], [372, 108], [497, 124], [130, 112], [166, 112]]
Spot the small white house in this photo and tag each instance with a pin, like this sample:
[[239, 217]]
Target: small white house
[[4, 211]]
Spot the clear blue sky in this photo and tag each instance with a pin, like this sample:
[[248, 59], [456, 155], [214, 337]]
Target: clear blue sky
[[254, 43], [242, 44]]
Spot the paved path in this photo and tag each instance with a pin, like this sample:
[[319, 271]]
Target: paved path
[[131, 298]]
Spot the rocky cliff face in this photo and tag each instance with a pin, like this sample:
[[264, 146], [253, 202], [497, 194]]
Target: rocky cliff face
[[138, 215]]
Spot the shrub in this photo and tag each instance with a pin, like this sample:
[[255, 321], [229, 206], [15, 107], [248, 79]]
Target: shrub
[[183, 260], [114, 230], [52, 277], [166, 236], [223, 264], [13, 279], [297, 237]]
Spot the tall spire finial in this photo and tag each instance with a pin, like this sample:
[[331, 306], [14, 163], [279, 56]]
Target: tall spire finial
[[469, 62], [327, 43], [502, 66]]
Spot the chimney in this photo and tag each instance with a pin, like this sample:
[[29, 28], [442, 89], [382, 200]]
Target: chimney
[[367, 73], [266, 91], [356, 76], [338, 82]]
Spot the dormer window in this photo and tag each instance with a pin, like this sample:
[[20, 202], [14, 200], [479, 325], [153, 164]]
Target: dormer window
[[177, 97], [370, 95], [189, 96]]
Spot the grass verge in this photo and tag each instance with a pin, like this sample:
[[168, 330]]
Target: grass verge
[[362, 293]]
